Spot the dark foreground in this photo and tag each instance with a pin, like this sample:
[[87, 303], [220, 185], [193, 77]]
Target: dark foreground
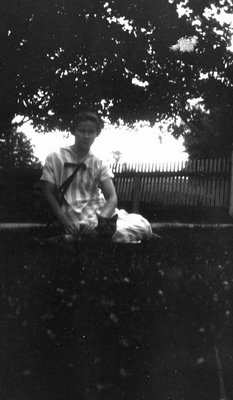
[[127, 322]]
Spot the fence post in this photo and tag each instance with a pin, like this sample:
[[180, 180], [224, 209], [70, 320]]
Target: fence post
[[231, 186], [136, 193]]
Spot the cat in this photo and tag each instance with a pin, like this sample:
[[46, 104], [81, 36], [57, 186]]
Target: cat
[[106, 227], [104, 230]]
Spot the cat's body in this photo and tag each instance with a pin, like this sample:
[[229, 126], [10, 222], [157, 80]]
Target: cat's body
[[104, 231]]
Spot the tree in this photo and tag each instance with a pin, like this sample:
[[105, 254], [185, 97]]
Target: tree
[[209, 135], [114, 56], [208, 132], [116, 156], [17, 151]]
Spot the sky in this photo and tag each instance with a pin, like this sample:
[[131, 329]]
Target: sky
[[142, 144]]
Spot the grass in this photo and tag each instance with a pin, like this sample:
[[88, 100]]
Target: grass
[[117, 322]]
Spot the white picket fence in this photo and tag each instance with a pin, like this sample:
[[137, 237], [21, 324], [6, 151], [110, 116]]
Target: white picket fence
[[196, 183]]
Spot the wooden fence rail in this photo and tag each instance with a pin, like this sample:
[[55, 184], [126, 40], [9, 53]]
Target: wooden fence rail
[[204, 183]]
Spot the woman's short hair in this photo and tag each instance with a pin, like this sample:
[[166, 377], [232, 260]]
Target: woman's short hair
[[87, 116]]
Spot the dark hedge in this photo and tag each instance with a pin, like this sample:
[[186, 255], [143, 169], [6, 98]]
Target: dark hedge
[[116, 321], [18, 194]]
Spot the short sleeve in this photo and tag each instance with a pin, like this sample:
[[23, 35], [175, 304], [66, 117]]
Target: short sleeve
[[105, 172], [48, 173]]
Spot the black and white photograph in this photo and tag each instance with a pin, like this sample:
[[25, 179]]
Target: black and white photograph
[[116, 199]]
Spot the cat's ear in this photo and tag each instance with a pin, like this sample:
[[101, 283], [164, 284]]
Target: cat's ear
[[115, 218]]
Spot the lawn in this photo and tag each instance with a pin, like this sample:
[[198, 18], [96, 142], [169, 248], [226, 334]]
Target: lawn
[[117, 322]]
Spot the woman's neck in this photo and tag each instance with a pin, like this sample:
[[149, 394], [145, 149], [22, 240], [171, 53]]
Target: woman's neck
[[81, 153]]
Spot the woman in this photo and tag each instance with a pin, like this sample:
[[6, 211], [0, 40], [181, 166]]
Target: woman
[[91, 192]]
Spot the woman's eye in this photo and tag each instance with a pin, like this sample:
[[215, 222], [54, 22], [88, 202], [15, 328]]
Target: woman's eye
[[87, 132]]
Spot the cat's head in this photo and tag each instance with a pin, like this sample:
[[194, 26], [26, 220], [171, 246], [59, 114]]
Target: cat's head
[[106, 226]]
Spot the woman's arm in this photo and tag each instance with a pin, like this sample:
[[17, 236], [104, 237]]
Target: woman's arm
[[109, 193], [49, 191]]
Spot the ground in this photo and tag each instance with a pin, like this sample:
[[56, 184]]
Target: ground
[[117, 322]]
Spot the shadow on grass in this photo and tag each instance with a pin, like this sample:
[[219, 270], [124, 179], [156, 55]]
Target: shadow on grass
[[117, 321]]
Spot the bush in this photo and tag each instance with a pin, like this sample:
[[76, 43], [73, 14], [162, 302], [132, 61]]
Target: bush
[[18, 194]]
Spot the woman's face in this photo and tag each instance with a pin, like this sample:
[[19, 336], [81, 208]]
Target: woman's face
[[85, 134]]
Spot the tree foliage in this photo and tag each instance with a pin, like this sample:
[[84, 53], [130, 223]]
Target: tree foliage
[[116, 154], [17, 151], [208, 131], [62, 56], [209, 134]]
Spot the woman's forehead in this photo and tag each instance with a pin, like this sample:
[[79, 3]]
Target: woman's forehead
[[87, 124]]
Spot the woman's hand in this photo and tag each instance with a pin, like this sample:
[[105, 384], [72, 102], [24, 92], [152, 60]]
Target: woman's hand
[[89, 229], [70, 227]]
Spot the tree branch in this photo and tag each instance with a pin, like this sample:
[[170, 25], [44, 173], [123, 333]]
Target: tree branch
[[23, 121]]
